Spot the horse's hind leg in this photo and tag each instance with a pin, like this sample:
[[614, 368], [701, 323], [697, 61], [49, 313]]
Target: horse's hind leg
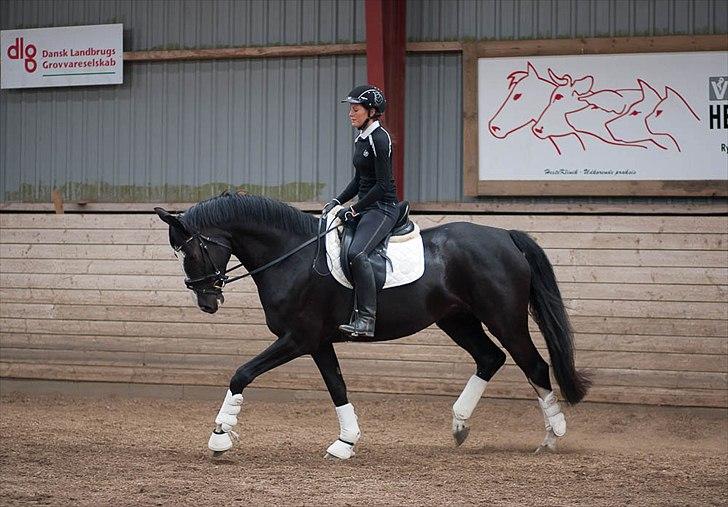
[[518, 342], [467, 331]]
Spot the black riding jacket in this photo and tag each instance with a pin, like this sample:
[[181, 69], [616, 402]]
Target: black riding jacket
[[373, 180]]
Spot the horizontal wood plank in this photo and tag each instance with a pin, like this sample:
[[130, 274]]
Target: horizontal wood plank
[[533, 223], [429, 343], [355, 364], [644, 188], [298, 51], [250, 311], [355, 383], [696, 275], [599, 45], [482, 206], [154, 282], [255, 326], [245, 296], [157, 259]]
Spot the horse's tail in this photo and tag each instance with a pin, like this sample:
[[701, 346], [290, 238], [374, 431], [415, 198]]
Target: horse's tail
[[547, 310]]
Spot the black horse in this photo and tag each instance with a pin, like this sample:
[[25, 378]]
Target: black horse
[[474, 275]]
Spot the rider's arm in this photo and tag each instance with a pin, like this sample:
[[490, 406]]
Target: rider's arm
[[382, 145], [350, 191]]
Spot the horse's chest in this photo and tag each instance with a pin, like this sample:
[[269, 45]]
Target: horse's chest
[[280, 312]]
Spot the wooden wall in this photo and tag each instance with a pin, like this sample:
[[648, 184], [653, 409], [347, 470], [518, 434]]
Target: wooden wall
[[100, 298]]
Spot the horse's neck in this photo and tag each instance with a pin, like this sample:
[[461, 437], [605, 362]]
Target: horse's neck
[[258, 244]]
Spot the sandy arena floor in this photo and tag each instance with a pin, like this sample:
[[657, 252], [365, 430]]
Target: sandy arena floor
[[60, 450]]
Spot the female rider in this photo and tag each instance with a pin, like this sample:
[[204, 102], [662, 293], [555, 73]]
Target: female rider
[[376, 211]]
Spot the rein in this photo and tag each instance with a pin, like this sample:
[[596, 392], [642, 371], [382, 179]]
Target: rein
[[220, 277]]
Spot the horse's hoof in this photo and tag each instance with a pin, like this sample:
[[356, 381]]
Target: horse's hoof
[[545, 448], [340, 450], [220, 442], [331, 457], [217, 454], [460, 436]]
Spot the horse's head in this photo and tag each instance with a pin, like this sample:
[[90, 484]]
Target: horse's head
[[528, 95], [632, 125], [203, 258], [672, 114]]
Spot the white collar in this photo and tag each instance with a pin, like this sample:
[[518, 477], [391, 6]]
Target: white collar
[[371, 128]]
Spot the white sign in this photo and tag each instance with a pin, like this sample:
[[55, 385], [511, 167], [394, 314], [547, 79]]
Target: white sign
[[657, 116], [63, 56]]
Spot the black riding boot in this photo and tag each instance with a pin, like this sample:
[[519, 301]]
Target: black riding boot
[[365, 289]]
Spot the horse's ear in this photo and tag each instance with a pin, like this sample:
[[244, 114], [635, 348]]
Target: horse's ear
[[171, 219], [648, 90]]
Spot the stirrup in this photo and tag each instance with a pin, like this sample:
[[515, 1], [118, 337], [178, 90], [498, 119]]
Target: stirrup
[[356, 328]]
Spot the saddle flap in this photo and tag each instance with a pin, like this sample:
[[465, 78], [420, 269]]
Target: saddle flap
[[401, 263], [377, 257]]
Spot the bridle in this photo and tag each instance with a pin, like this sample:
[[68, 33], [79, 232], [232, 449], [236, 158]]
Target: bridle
[[219, 277]]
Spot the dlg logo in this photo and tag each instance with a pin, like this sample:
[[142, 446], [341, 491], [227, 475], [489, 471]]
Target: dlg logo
[[19, 51]]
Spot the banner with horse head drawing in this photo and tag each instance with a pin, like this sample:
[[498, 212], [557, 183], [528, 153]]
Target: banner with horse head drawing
[[647, 116]]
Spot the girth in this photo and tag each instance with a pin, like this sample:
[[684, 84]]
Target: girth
[[378, 257]]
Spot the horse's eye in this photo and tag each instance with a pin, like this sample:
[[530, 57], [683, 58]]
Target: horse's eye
[[517, 96], [658, 113], [558, 96], [635, 113]]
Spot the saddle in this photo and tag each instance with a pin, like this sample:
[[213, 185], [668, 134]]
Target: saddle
[[378, 257]]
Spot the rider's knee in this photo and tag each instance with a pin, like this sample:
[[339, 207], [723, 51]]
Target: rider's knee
[[357, 258]]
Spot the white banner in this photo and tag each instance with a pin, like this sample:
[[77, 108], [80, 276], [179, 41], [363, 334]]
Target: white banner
[[63, 56], [656, 116]]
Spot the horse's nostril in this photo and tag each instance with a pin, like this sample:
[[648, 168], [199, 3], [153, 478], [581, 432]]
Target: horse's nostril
[[208, 308], [494, 128]]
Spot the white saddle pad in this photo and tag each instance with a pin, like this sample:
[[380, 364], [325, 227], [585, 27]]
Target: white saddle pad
[[407, 254]]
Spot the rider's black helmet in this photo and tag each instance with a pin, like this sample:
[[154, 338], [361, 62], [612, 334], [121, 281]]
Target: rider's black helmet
[[368, 96]]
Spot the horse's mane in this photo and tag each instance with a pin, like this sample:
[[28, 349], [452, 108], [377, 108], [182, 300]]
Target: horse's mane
[[231, 208]]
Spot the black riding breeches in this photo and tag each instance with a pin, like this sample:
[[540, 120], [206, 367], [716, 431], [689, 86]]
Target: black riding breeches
[[374, 225]]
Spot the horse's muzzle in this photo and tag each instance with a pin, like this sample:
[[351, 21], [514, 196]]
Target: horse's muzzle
[[210, 303]]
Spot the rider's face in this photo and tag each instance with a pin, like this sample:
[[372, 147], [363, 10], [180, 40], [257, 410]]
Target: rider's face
[[358, 114]]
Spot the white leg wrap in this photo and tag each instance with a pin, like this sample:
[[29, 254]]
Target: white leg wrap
[[227, 416], [463, 408], [553, 417], [349, 433], [348, 424]]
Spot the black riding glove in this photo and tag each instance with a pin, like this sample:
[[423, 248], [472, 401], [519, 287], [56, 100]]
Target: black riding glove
[[329, 206], [345, 214]]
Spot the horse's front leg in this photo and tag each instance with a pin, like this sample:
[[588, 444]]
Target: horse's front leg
[[349, 434], [281, 351]]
